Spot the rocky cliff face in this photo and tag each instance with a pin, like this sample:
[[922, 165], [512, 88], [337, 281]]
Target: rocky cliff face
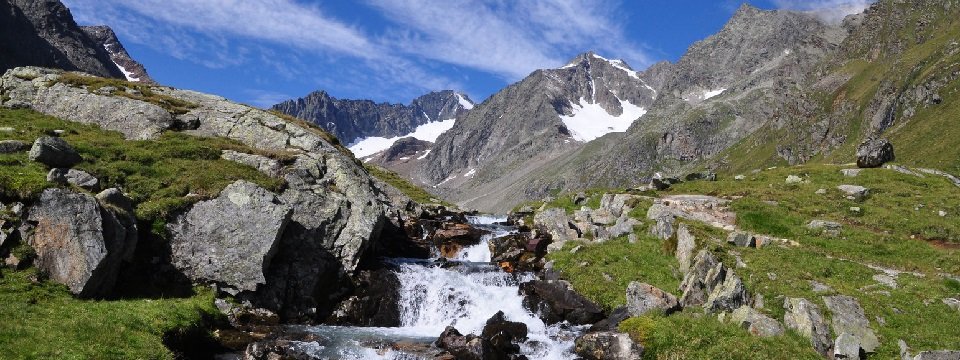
[[750, 75], [524, 125], [131, 69], [43, 33], [350, 120]]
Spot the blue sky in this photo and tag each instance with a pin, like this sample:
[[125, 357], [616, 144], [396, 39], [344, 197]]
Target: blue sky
[[265, 51]]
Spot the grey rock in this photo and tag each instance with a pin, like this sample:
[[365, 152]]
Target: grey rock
[[742, 239], [663, 228], [727, 295], [854, 192], [886, 280], [686, 243], [739, 177], [805, 317], [938, 355], [756, 322], [558, 225], [696, 287], [848, 317], [793, 179], [821, 192], [13, 146], [230, 239], [263, 164], [78, 242], [54, 152], [624, 226], [952, 303], [608, 345], [106, 38], [79, 178], [43, 33], [847, 346], [643, 298], [851, 172], [819, 287], [904, 350], [874, 153], [828, 228]]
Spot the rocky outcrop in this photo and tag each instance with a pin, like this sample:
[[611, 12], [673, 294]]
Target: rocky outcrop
[[230, 240], [106, 38], [351, 120], [806, 319], [556, 301], [850, 324], [43, 33], [608, 345], [709, 283], [643, 298], [873, 153], [262, 163], [78, 241], [78, 178], [42, 90], [499, 341], [54, 152], [756, 322]]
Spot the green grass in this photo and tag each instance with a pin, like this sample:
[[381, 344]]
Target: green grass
[[41, 320], [765, 204], [691, 335], [157, 174], [415, 193]]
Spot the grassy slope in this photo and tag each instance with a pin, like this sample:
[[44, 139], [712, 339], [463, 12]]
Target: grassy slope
[[880, 235], [43, 321]]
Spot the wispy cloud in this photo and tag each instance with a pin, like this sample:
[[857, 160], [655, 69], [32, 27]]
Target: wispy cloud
[[508, 38], [830, 10], [298, 41]]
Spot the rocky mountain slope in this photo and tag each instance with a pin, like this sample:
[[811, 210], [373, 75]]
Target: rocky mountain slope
[[548, 114], [43, 33], [131, 69], [353, 120]]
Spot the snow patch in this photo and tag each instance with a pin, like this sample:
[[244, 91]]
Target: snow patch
[[424, 156], [470, 173], [466, 104], [619, 64], [126, 74], [426, 132], [712, 93], [590, 121], [445, 181]]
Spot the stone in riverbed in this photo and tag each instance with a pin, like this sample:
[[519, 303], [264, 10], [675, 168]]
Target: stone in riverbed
[[557, 301], [608, 345]]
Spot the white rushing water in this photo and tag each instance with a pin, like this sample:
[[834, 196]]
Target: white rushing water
[[464, 296]]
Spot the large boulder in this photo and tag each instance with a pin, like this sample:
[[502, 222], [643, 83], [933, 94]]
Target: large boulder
[[375, 301], [608, 345], [643, 298], [78, 242], [504, 335], [696, 287], [54, 152], [451, 237], [710, 284], [556, 301], [231, 239], [874, 153], [849, 318], [806, 319], [558, 225]]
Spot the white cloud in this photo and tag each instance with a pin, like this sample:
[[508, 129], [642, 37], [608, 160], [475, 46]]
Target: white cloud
[[829, 10], [508, 38]]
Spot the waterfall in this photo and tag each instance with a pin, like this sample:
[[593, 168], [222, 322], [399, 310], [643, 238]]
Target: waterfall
[[463, 296]]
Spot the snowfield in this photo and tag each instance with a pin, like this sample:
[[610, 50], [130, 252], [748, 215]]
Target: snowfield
[[590, 121], [426, 132]]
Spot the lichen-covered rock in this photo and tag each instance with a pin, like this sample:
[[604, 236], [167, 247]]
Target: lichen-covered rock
[[756, 322], [874, 153], [608, 345], [54, 152], [231, 239], [78, 242], [696, 287], [729, 294], [79, 178], [849, 318], [805, 317], [643, 298], [686, 243], [710, 284]]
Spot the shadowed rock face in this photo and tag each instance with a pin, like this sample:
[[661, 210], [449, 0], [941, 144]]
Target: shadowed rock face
[[105, 36], [43, 33], [350, 120]]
